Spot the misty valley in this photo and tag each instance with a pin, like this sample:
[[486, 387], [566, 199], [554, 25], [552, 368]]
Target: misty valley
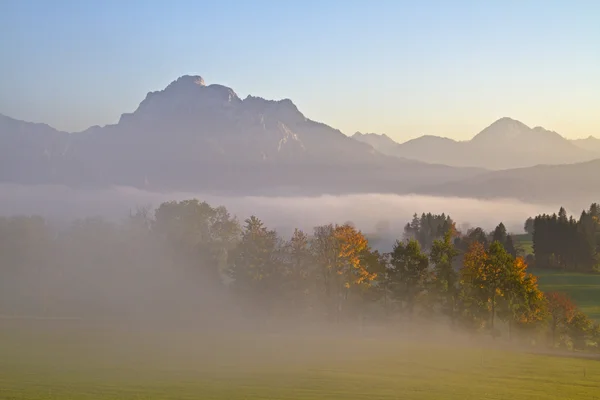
[[187, 291], [216, 246]]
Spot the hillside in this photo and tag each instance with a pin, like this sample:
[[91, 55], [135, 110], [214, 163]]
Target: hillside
[[193, 136], [573, 185]]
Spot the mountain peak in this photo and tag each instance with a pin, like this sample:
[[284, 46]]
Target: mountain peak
[[284, 109], [504, 129], [187, 80], [185, 95], [509, 122], [358, 134]]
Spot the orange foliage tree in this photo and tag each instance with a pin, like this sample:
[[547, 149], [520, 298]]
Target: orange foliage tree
[[523, 302], [561, 310], [500, 285]]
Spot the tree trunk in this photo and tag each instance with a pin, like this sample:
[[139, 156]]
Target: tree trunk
[[493, 311]]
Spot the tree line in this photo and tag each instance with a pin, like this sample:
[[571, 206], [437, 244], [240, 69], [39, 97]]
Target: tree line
[[472, 281], [563, 242]]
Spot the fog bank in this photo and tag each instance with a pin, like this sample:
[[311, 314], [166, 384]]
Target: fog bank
[[283, 213]]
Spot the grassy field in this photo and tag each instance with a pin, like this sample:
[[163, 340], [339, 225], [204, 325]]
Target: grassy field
[[584, 289], [69, 361]]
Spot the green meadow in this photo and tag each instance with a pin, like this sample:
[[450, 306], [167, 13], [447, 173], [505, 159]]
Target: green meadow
[[69, 360]]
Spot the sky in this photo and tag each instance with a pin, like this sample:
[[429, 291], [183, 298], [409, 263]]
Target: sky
[[404, 68]]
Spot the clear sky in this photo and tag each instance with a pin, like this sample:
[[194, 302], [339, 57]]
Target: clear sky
[[404, 68]]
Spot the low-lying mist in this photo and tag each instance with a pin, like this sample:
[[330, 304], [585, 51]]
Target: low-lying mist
[[175, 275], [283, 213]]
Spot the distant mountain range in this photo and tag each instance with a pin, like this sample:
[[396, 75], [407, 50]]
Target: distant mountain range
[[204, 138], [589, 143], [191, 136], [505, 144]]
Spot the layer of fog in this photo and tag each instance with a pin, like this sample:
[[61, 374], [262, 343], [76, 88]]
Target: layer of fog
[[366, 211], [139, 285]]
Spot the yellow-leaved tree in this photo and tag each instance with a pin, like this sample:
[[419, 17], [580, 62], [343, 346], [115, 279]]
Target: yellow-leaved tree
[[498, 284], [523, 302], [338, 251]]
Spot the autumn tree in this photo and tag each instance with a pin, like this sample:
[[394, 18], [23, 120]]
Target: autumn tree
[[561, 310], [485, 273], [338, 251], [522, 302]]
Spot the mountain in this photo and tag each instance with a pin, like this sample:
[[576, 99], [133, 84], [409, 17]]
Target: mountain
[[380, 142], [573, 185], [192, 136], [505, 144], [590, 143], [29, 152]]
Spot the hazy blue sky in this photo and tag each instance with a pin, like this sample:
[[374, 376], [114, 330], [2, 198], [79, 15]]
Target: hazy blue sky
[[397, 67]]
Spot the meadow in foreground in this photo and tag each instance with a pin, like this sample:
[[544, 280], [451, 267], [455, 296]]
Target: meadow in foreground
[[69, 360]]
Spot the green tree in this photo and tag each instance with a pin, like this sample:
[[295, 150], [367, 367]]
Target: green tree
[[580, 329], [198, 235], [442, 257], [256, 265], [299, 271], [499, 234], [529, 225], [510, 246], [409, 275]]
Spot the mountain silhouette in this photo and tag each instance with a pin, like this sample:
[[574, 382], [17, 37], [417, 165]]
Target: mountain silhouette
[[194, 136], [505, 144], [590, 143]]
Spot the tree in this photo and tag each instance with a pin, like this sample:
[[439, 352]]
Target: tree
[[485, 273], [442, 257], [580, 328], [198, 235], [499, 234], [561, 310], [299, 270], [411, 230], [338, 252], [473, 235], [567, 243], [529, 226], [428, 227], [522, 301], [409, 274], [256, 265], [510, 246]]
